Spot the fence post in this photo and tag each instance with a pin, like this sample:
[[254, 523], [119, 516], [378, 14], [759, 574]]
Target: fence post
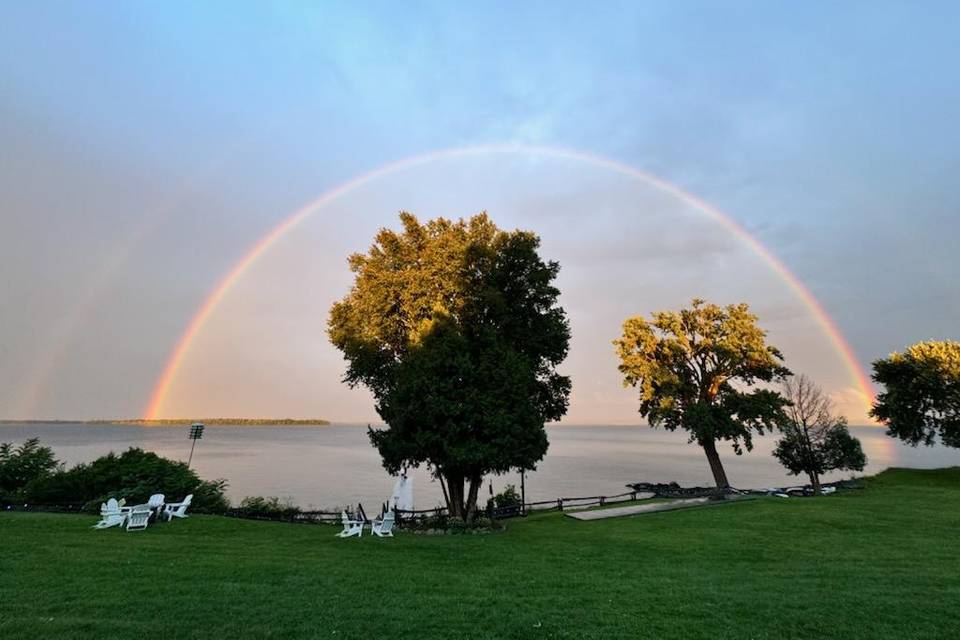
[[523, 492], [560, 504], [602, 500]]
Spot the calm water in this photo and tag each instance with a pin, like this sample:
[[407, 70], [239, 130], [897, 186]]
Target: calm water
[[323, 467]]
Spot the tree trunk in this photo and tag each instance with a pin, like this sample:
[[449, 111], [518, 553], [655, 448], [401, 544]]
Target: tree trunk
[[815, 481], [455, 491], [811, 460], [719, 475], [461, 504], [443, 487], [471, 506]]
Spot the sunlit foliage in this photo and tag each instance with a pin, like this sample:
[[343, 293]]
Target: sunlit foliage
[[921, 397], [691, 367]]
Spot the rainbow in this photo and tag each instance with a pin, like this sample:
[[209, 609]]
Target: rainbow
[[826, 323]]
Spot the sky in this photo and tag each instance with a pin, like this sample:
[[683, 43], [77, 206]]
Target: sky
[[145, 149]]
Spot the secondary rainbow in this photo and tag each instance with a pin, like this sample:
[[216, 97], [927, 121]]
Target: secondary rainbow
[[196, 324]]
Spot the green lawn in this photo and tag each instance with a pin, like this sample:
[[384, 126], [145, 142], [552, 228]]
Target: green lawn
[[882, 562]]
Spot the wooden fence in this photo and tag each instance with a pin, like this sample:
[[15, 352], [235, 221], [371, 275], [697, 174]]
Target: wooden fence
[[416, 517], [300, 517], [513, 511], [404, 518]]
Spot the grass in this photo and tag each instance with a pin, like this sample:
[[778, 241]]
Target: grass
[[881, 562]]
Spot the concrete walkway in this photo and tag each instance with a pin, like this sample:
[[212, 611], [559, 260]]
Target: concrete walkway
[[617, 512]]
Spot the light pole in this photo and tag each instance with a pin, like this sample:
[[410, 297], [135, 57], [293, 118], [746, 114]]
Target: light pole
[[196, 432]]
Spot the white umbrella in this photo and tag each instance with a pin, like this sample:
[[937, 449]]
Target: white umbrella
[[402, 497]]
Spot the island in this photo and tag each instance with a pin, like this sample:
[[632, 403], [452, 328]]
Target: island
[[177, 422], [233, 422]]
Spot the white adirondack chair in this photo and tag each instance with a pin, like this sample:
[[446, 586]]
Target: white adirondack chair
[[350, 527], [138, 518], [383, 527], [110, 515], [177, 509], [108, 520]]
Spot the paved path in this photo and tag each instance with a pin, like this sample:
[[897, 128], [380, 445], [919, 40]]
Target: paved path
[[617, 512]]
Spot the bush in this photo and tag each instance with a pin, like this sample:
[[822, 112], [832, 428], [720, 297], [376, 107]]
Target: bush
[[19, 466], [134, 475], [270, 507], [443, 524], [509, 497]]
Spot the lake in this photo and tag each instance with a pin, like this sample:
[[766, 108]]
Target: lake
[[331, 466]]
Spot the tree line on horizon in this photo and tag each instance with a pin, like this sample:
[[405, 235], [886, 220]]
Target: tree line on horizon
[[456, 330]]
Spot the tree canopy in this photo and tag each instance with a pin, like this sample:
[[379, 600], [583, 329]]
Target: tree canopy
[[921, 397], [691, 367], [455, 329], [20, 465], [815, 439]]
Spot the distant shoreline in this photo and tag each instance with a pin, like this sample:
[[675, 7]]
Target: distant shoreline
[[178, 422], [290, 422]]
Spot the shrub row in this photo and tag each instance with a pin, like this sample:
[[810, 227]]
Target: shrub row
[[31, 475]]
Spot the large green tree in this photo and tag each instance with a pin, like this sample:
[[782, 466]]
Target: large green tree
[[693, 368], [921, 397], [815, 438], [455, 329]]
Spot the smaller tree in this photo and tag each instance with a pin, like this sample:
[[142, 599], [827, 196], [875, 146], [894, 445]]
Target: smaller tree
[[815, 439], [20, 465], [921, 400]]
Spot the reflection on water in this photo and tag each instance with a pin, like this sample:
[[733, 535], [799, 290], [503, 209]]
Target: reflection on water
[[323, 467]]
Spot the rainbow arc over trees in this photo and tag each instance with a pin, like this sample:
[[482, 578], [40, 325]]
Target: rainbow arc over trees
[[154, 408]]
